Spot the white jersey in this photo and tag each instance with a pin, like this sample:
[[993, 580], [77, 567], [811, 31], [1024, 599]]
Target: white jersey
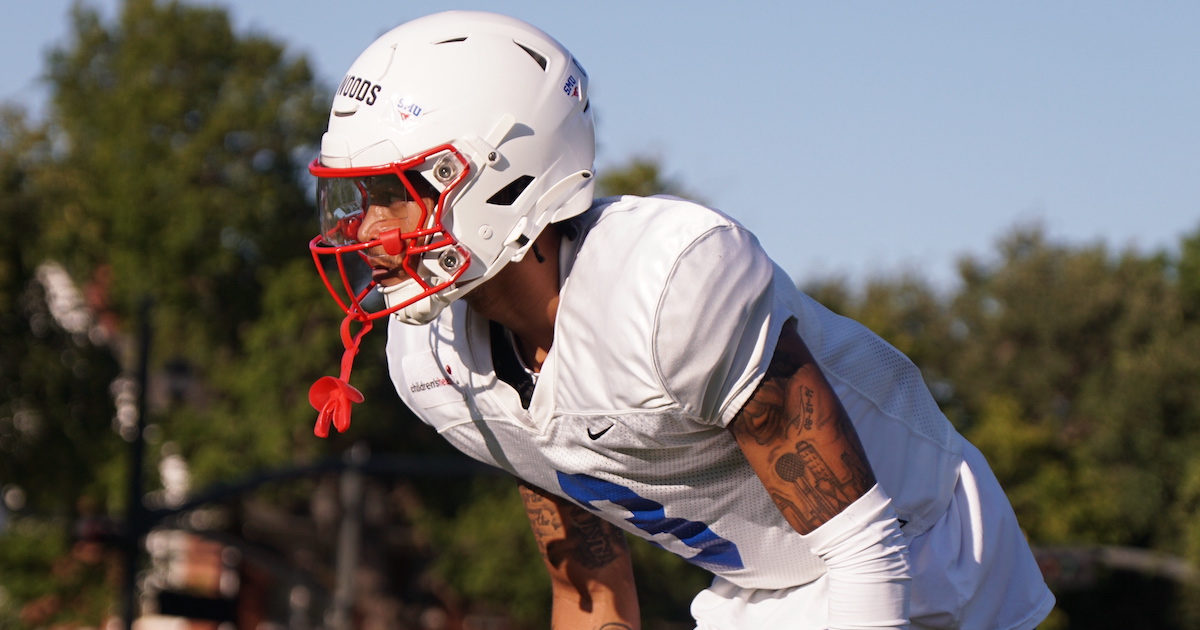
[[668, 316]]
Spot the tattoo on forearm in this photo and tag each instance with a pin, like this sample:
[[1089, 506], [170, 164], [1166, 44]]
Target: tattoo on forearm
[[800, 439], [597, 543], [543, 517], [584, 537]]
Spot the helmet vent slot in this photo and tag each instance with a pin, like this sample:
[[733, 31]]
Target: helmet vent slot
[[576, 62], [451, 41], [538, 57], [507, 196]]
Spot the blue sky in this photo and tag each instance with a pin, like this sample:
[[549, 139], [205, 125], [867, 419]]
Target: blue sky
[[856, 138]]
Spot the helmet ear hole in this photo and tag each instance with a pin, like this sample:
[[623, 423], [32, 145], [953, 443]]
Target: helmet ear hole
[[508, 195]]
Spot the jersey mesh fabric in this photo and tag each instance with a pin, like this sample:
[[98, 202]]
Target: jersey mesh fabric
[[881, 373]]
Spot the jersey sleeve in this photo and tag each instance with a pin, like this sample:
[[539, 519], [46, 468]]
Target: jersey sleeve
[[714, 332]]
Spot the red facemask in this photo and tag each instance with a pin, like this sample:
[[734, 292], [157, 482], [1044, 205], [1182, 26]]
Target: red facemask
[[344, 196]]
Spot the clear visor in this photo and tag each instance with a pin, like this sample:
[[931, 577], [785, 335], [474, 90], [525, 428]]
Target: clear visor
[[383, 224], [344, 201], [345, 195]]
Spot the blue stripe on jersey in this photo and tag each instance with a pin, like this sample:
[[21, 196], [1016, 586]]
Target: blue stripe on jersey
[[715, 553]]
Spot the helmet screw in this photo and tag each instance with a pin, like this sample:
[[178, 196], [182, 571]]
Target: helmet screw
[[449, 260], [445, 169], [485, 232], [492, 157]]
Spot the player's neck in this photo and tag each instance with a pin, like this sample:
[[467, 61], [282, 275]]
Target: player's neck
[[523, 297]]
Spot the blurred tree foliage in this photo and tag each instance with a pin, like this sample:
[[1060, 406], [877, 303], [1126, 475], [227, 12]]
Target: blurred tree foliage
[[178, 176], [1079, 381], [55, 450], [641, 176], [52, 379], [59, 583], [170, 166]]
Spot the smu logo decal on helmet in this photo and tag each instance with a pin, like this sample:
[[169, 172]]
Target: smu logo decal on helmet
[[571, 87], [407, 109]]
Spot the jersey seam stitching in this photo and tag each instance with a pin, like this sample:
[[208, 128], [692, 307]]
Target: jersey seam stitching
[[658, 308]]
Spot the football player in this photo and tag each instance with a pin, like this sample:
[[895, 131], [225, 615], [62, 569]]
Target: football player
[[639, 365]]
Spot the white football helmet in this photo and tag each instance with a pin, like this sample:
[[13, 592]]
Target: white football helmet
[[477, 129], [485, 121]]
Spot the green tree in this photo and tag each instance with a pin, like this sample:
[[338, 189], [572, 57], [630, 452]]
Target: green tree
[[170, 167], [1188, 270], [55, 412], [48, 582], [55, 409], [642, 176], [1180, 360], [1076, 382], [179, 177]]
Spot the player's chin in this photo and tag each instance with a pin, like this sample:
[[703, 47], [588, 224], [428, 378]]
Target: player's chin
[[379, 259], [387, 276]]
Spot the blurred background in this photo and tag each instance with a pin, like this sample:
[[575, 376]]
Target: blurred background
[[1009, 195]]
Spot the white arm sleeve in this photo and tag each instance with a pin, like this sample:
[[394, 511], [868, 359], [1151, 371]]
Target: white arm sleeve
[[867, 559]]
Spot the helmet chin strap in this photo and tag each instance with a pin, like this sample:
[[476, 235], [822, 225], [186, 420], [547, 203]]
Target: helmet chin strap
[[420, 312]]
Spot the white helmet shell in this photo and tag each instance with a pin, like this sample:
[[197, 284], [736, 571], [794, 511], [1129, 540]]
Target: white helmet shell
[[508, 101]]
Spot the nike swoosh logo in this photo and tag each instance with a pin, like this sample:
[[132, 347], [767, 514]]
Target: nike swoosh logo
[[596, 436]]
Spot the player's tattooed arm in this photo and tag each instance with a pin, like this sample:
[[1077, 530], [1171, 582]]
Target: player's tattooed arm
[[588, 560], [565, 531], [797, 436]]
